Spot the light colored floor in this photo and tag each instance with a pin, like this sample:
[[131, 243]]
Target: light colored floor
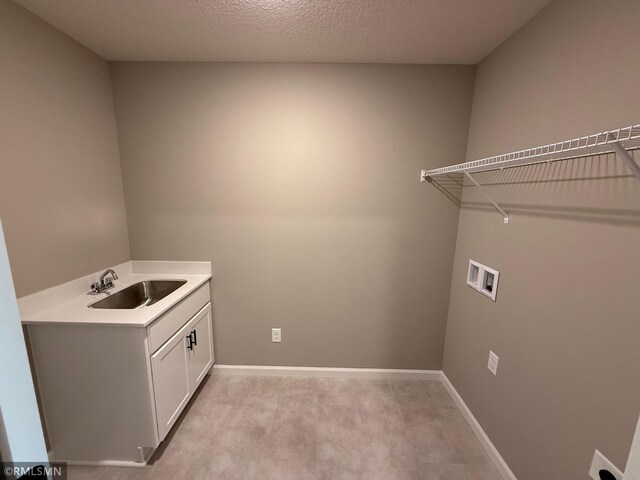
[[245, 427]]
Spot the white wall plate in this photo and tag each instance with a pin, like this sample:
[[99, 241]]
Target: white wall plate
[[489, 282], [474, 274], [492, 365], [276, 335], [601, 462]]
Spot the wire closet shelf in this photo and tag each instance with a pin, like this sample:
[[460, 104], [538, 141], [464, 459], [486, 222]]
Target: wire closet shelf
[[619, 141], [596, 144]]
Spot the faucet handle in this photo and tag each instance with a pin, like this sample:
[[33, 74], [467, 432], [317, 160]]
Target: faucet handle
[[95, 287]]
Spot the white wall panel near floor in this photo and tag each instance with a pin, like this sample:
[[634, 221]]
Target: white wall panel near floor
[[21, 438]]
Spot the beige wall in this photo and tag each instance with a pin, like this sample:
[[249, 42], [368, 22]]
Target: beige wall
[[300, 183], [565, 323], [61, 197]]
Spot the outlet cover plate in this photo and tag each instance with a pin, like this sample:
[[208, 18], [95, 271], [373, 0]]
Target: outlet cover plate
[[600, 462], [489, 282], [474, 274], [493, 363], [276, 335]]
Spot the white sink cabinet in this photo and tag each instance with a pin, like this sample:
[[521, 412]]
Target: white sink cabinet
[[111, 393]]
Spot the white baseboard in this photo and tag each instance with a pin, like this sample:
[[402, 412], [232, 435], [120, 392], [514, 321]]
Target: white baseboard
[[282, 371], [490, 448], [103, 463]]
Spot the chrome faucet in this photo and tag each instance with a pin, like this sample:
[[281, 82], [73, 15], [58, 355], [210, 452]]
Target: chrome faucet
[[105, 282]]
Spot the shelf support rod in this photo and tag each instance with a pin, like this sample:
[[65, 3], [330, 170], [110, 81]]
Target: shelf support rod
[[628, 158], [484, 192]]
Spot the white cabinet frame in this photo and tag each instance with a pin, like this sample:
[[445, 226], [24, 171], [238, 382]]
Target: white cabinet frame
[[179, 366]]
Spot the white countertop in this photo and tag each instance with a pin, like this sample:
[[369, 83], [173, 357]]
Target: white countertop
[[72, 308]]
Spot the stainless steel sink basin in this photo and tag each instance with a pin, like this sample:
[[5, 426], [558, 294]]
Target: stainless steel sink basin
[[138, 295]]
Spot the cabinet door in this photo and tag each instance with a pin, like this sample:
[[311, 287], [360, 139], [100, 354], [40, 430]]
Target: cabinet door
[[201, 355], [170, 365]]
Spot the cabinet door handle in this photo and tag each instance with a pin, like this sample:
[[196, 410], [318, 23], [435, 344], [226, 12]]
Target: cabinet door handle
[[189, 342], [195, 338]]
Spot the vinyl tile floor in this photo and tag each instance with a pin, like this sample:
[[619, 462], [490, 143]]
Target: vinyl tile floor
[[253, 427]]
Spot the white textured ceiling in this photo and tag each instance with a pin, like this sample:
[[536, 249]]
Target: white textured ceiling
[[354, 31]]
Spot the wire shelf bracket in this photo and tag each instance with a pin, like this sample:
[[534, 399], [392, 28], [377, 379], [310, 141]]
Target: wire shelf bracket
[[627, 158], [619, 141], [505, 215]]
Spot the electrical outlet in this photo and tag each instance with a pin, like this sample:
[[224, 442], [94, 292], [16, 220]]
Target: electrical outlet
[[276, 335], [493, 363], [600, 462]]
